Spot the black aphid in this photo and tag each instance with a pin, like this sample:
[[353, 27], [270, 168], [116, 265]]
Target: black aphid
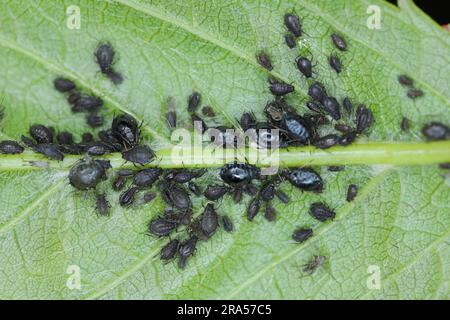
[[41, 134], [170, 250], [321, 212], [267, 192], [50, 151], [73, 98], [118, 183], [364, 118], [194, 188], [10, 147], [247, 121], [405, 80], [176, 196], [239, 174], [270, 214], [347, 138], [290, 40], [434, 131], [332, 107], [302, 234], [283, 197], [253, 209], [237, 195], [94, 120], [352, 192], [314, 107], [141, 154], [339, 42], [335, 63], [105, 56], [102, 205], [87, 137], [292, 23], [348, 106], [171, 114], [145, 178], [404, 125], [63, 84], [317, 92], [314, 264], [214, 193], [264, 60], [71, 148], [327, 141], [304, 66], [106, 164], [98, 149], [305, 179], [342, 127], [161, 227], [126, 198], [184, 176], [148, 197], [125, 128], [296, 127], [27, 141], [86, 174], [193, 101], [414, 93], [87, 103], [64, 137], [186, 249], [207, 111], [125, 173], [209, 220], [227, 224], [280, 88]]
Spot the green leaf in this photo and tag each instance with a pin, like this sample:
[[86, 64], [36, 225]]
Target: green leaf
[[398, 224]]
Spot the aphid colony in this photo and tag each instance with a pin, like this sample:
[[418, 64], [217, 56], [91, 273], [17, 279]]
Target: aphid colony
[[177, 186]]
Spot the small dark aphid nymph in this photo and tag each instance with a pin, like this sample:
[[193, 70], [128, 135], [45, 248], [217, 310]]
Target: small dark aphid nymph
[[290, 41], [227, 224], [283, 197], [176, 196], [105, 56], [253, 209], [314, 107], [292, 23], [126, 198], [98, 149], [332, 107], [64, 137], [86, 174], [305, 179], [314, 264], [335, 63], [145, 178], [280, 88], [186, 249], [49, 150], [435, 131], [404, 125], [87, 137], [317, 92], [209, 220], [171, 114], [414, 93], [125, 128], [194, 188], [41, 134], [102, 205], [193, 101], [94, 120], [348, 106], [321, 212], [267, 192], [304, 66], [405, 80], [364, 118], [148, 197], [87, 103], [10, 147], [342, 127], [169, 251], [270, 214], [352, 191], [27, 141], [347, 138], [207, 111], [186, 176], [302, 234], [214, 193], [239, 174], [119, 183], [247, 121], [339, 42], [263, 59], [141, 154], [161, 227], [327, 141], [63, 84]]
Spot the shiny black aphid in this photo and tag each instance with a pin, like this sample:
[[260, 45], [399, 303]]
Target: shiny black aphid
[[405, 80], [126, 129], [141, 154], [10, 147], [404, 125], [177, 196], [347, 138], [264, 60], [348, 106], [64, 137], [302, 234], [280, 88], [314, 264], [102, 205], [327, 141], [94, 120], [214, 193], [208, 111], [305, 179], [332, 107], [292, 23], [209, 220], [50, 151], [161, 227], [267, 192], [270, 214], [227, 224], [335, 63], [87, 137], [87, 103], [41, 134], [194, 188], [341, 127], [317, 92], [352, 192], [339, 42], [253, 209], [314, 107], [73, 98], [414, 93], [239, 174], [296, 127], [321, 212], [290, 40], [434, 131], [186, 176], [107, 137], [170, 250], [127, 197], [364, 118], [118, 183], [186, 249], [283, 197], [247, 121], [304, 66], [193, 101], [105, 56], [145, 178], [86, 174], [98, 149], [63, 84]]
